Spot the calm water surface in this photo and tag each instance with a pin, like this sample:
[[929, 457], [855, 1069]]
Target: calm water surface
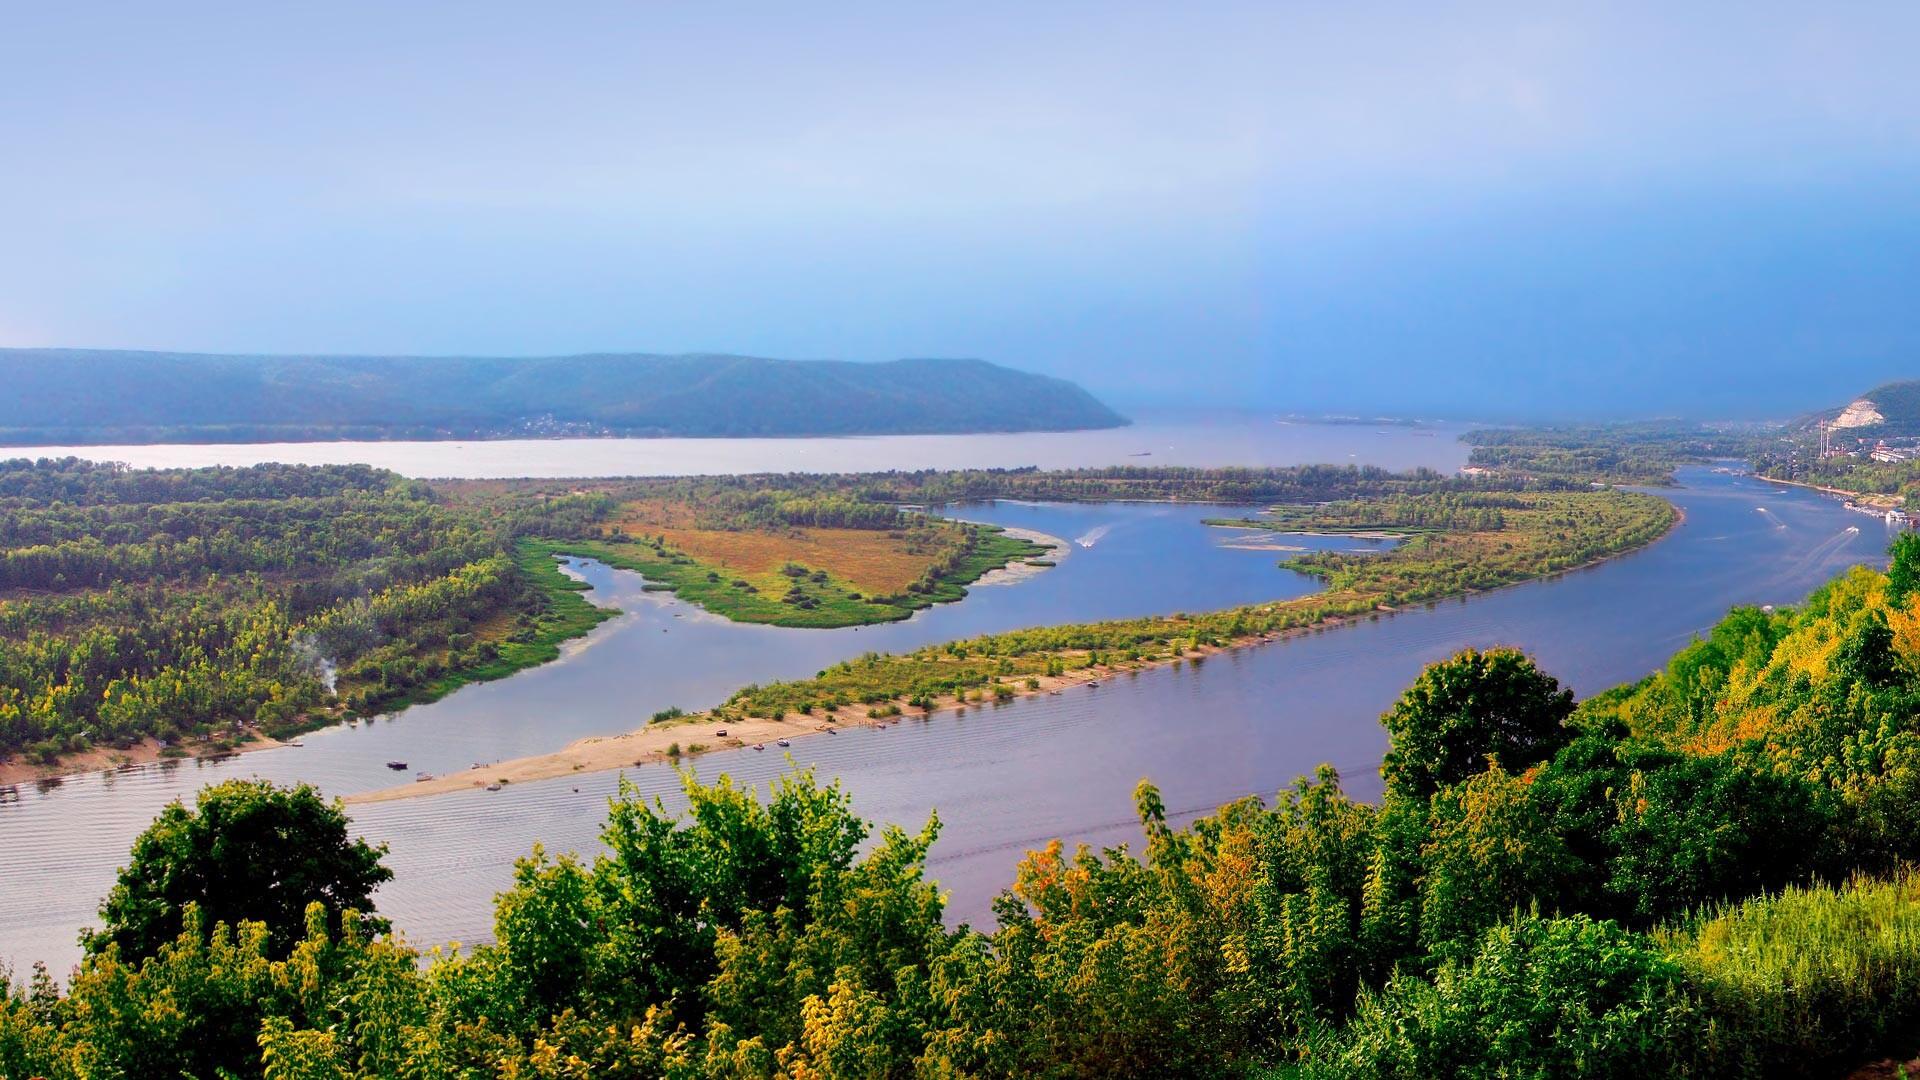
[[1209, 441], [1002, 778]]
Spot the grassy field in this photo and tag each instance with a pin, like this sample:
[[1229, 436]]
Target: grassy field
[[873, 561], [802, 576]]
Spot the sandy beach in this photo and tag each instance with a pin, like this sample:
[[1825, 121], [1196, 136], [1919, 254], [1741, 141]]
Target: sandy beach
[[1021, 569], [648, 745]]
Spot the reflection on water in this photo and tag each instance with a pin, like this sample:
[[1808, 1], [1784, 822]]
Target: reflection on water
[[1003, 778]]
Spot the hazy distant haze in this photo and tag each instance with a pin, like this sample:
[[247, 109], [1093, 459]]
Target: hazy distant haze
[[1490, 210]]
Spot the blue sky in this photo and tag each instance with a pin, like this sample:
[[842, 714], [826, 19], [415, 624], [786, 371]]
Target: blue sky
[[1548, 209]]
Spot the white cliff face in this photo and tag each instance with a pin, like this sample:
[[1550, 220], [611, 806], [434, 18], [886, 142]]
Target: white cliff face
[[1862, 413]]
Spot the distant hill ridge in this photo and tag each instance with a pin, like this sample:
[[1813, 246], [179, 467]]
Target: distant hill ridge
[[59, 396], [1892, 409]]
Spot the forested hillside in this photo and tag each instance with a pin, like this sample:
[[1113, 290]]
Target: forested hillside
[[1888, 410], [1704, 874], [78, 396]]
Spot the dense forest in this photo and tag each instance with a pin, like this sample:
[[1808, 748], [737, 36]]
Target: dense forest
[[865, 499], [79, 396], [763, 498], [1628, 453], [1702, 874], [1280, 484], [198, 607]]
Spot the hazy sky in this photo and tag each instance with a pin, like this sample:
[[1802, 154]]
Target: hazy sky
[[1702, 208]]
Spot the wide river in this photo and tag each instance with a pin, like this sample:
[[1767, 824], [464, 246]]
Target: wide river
[[1211, 439], [1002, 778]]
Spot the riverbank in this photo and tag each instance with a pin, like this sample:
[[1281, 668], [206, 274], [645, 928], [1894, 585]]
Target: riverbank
[[108, 759], [1867, 498], [569, 615], [706, 732], [1054, 671]]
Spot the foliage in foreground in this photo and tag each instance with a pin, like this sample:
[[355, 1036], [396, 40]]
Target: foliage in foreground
[[1634, 889], [246, 851]]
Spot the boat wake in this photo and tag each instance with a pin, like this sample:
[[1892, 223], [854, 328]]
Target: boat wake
[[1093, 535]]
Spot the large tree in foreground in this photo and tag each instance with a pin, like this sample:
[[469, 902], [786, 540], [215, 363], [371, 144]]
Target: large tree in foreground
[[247, 850], [1473, 706]]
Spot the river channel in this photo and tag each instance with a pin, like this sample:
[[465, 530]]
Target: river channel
[[1004, 778]]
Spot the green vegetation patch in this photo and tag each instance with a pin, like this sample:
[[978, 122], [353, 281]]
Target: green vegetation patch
[[197, 607], [1635, 453], [799, 595], [1538, 533]]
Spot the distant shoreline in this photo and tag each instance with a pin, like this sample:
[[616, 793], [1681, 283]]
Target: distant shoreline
[[17, 439]]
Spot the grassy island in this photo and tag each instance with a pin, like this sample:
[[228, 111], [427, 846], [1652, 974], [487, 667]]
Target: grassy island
[[812, 577], [1534, 534]]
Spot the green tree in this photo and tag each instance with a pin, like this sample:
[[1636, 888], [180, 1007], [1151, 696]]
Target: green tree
[[248, 851], [1903, 572], [30, 1040], [1491, 851], [1693, 829], [1473, 706]]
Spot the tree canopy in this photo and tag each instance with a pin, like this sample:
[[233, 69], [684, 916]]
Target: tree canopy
[[247, 850], [1472, 707]]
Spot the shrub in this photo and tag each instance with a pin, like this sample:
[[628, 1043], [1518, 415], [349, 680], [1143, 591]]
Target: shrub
[[1808, 981], [1540, 998]]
